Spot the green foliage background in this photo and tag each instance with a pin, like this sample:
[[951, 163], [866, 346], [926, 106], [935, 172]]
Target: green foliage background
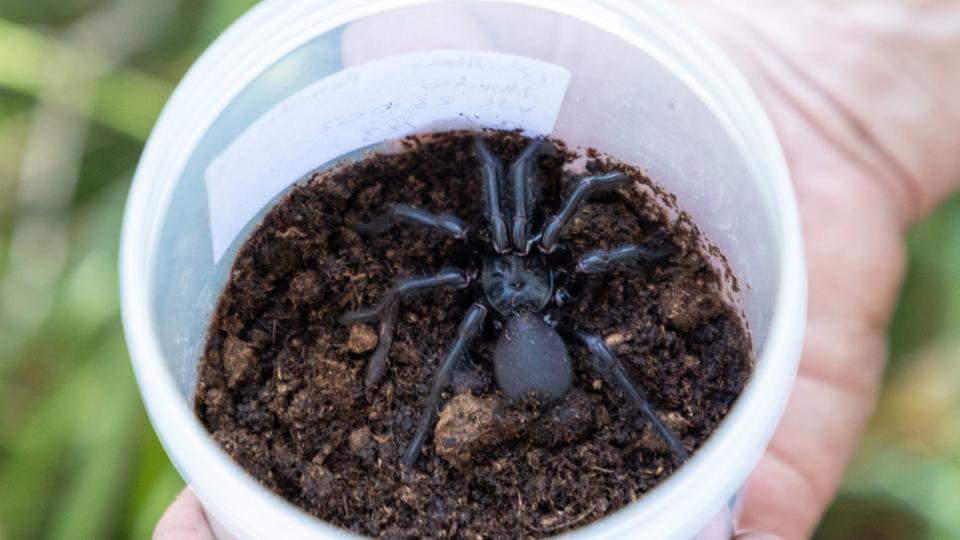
[[81, 83]]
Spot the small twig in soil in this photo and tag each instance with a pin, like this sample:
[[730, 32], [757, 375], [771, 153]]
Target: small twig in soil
[[519, 505], [577, 519]]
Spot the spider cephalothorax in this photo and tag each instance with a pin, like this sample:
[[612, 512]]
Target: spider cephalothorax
[[519, 282]]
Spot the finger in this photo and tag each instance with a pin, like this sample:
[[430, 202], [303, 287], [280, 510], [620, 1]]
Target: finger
[[184, 520]]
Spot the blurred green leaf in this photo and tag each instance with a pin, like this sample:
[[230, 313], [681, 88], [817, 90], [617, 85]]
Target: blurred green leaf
[[104, 433], [218, 15], [14, 122], [951, 265], [48, 12], [130, 102], [929, 308], [155, 485], [21, 65], [855, 517], [30, 475], [127, 100], [78, 458], [11, 104], [89, 291]]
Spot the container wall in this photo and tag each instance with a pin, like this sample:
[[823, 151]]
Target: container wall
[[625, 95]]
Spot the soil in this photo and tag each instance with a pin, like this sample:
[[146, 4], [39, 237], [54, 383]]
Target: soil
[[281, 383]]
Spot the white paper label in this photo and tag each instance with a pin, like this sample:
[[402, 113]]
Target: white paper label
[[370, 103]]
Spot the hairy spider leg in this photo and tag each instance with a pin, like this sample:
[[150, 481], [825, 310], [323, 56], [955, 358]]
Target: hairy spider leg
[[521, 172], [607, 365], [386, 309], [450, 277], [492, 172], [405, 213], [590, 268], [600, 261], [585, 188], [377, 365], [469, 328]]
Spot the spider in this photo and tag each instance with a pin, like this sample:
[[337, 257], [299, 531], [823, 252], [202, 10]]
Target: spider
[[518, 281]]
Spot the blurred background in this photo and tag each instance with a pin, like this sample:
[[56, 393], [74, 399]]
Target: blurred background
[[81, 83]]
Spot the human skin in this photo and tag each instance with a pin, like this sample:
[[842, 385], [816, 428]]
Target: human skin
[[858, 91]]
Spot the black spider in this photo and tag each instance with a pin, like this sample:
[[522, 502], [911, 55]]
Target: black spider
[[519, 283]]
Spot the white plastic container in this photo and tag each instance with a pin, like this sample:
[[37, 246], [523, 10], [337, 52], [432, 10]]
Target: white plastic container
[[644, 86]]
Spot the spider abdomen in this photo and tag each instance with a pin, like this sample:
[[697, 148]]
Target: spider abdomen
[[531, 357]]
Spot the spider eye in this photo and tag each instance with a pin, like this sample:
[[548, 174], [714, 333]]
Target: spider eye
[[515, 284]]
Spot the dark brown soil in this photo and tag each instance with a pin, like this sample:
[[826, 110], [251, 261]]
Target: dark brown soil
[[281, 382]]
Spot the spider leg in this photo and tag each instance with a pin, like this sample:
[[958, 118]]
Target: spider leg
[[386, 312], [599, 261], [376, 366], [589, 271], [520, 172], [405, 213], [606, 363], [586, 186], [469, 328], [405, 287], [492, 172]]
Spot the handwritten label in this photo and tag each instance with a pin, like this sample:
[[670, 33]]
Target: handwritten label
[[368, 104]]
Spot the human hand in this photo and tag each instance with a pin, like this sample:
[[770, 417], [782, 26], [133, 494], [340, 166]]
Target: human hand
[[184, 520], [858, 92], [862, 112]]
